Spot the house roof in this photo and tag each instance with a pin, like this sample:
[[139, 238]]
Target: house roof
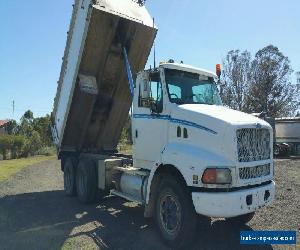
[[3, 122]]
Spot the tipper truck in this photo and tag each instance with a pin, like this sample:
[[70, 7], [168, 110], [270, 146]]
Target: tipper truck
[[192, 157]]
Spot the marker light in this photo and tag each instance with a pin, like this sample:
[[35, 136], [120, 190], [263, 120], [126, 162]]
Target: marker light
[[218, 69], [216, 176]]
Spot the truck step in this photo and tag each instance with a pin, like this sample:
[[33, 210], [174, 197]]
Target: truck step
[[126, 196]]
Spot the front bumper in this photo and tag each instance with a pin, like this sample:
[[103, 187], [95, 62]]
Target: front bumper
[[230, 204]]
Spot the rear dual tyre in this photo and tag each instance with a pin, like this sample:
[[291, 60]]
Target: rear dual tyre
[[86, 181], [70, 177]]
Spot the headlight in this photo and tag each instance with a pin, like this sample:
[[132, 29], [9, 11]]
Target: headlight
[[217, 176]]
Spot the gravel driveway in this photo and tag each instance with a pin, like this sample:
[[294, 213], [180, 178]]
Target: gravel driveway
[[35, 214]]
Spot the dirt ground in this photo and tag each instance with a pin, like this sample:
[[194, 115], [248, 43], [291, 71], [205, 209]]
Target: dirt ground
[[35, 214]]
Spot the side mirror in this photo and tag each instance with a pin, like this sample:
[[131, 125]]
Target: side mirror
[[154, 107]]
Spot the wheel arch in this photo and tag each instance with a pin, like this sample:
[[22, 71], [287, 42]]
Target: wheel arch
[[153, 183]]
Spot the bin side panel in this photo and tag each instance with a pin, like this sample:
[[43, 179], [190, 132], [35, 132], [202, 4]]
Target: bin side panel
[[95, 123], [70, 66]]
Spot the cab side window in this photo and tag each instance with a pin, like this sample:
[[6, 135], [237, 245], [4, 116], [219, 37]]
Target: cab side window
[[175, 93], [156, 94]]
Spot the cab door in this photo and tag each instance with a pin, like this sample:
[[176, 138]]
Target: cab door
[[150, 120]]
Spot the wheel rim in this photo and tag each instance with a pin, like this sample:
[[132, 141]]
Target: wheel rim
[[170, 214]]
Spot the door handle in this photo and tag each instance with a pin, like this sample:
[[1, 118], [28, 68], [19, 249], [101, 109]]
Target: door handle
[[136, 134]]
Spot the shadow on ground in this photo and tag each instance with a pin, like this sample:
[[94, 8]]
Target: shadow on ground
[[50, 220]]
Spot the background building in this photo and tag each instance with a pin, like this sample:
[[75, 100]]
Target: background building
[[3, 127]]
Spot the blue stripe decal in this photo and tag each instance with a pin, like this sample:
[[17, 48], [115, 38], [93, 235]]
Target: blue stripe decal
[[173, 120]]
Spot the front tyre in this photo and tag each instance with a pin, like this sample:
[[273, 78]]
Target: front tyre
[[175, 214], [241, 219]]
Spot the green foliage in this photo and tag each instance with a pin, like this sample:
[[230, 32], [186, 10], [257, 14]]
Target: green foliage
[[5, 145], [11, 127], [42, 126], [126, 132], [13, 144], [37, 131], [30, 137], [47, 151], [32, 144], [26, 124], [28, 115], [18, 142]]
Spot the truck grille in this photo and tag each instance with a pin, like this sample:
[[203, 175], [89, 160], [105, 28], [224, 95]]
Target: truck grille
[[254, 172], [253, 144]]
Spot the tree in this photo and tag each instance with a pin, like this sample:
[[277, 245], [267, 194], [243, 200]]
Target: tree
[[26, 124], [11, 127], [42, 126], [270, 88], [32, 144], [29, 137], [235, 79], [17, 145], [28, 115]]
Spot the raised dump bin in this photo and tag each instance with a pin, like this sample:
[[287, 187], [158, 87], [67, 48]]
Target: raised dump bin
[[93, 97]]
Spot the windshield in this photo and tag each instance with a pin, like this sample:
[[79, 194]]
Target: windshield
[[189, 88]]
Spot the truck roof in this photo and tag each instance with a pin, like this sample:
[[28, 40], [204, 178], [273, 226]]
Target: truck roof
[[188, 68]]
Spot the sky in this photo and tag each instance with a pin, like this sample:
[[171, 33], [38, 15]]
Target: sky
[[200, 33]]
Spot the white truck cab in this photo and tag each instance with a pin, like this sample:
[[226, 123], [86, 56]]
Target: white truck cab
[[224, 156]]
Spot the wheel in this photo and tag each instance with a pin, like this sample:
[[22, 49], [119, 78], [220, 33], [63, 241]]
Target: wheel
[[241, 219], [175, 214], [70, 177], [276, 151], [86, 181]]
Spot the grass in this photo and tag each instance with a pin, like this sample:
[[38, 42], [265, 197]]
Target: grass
[[10, 167]]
